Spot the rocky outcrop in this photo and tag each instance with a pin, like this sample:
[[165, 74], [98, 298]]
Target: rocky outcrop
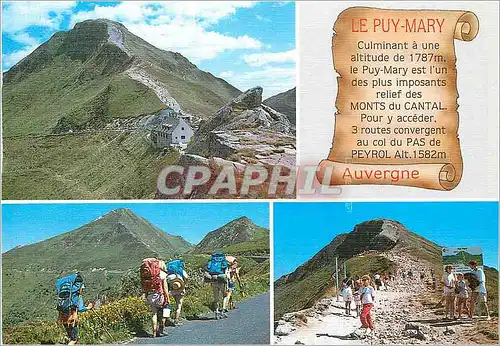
[[247, 131]]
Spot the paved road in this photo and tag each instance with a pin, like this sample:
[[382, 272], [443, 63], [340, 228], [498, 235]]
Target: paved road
[[249, 325]]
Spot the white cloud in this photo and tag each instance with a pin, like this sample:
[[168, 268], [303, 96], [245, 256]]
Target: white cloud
[[274, 80], [262, 19], [226, 74], [25, 38], [182, 26], [18, 15], [204, 12], [9, 60], [191, 39], [261, 59]]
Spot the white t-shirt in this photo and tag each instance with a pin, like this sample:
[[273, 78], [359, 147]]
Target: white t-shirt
[[377, 277], [368, 294], [482, 280], [346, 292], [449, 280]]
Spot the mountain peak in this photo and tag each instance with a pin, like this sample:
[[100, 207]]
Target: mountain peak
[[250, 99], [237, 231]]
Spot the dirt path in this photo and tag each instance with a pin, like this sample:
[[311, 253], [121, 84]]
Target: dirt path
[[404, 313]]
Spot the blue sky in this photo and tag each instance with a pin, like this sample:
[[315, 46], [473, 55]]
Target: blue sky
[[247, 43], [303, 229], [30, 223]]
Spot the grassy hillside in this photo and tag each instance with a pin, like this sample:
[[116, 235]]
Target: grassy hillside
[[85, 84], [127, 317], [79, 81], [108, 252], [285, 103], [240, 235], [103, 251], [111, 165]]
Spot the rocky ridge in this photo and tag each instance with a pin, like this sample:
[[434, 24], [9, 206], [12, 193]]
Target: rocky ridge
[[248, 132]]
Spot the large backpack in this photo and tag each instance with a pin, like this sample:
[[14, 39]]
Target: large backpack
[[68, 292], [218, 264], [150, 276], [176, 267]]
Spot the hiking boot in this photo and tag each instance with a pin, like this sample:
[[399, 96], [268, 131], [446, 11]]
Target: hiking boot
[[177, 323]]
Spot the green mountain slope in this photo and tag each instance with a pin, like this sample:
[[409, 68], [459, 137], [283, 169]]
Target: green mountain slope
[[285, 103], [238, 236], [86, 78], [103, 250], [363, 251]]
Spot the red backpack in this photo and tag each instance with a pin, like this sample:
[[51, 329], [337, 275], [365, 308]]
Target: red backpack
[[150, 276]]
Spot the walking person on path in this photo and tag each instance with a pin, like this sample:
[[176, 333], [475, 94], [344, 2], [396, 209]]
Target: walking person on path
[[70, 303], [347, 297], [378, 282], [479, 295], [217, 272], [463, 294], [449, 282], [367, 293], [154, 285], [357, 297], [176, 279]]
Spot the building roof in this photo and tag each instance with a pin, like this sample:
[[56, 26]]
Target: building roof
[[169, 124]]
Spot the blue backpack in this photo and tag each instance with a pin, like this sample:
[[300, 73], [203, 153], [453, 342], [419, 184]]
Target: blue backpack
[[176, 267], [68, 292], [218, 264]]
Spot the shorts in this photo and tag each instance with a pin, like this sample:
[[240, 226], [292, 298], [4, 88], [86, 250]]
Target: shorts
[[231, 286], [347, 297], [155, 301], [378, 282]]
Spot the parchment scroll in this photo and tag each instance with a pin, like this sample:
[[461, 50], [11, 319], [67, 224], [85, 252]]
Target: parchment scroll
[[397, 111]]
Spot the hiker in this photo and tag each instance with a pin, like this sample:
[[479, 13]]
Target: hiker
[[463, 294], [70, 303], [217, 272], [479, 295], [234, 275], [176, 279], [410, 275], [357, 296], [422, 276], [346, 293], [449, 282], [154, 285], [378, 282], [385, 281], [367, 294]]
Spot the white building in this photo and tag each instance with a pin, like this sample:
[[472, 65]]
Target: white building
[[171, 130]]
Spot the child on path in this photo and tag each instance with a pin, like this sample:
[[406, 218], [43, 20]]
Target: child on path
[[357, 297], [378, 282], [367, 293], [463, 294], [347, 297]]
